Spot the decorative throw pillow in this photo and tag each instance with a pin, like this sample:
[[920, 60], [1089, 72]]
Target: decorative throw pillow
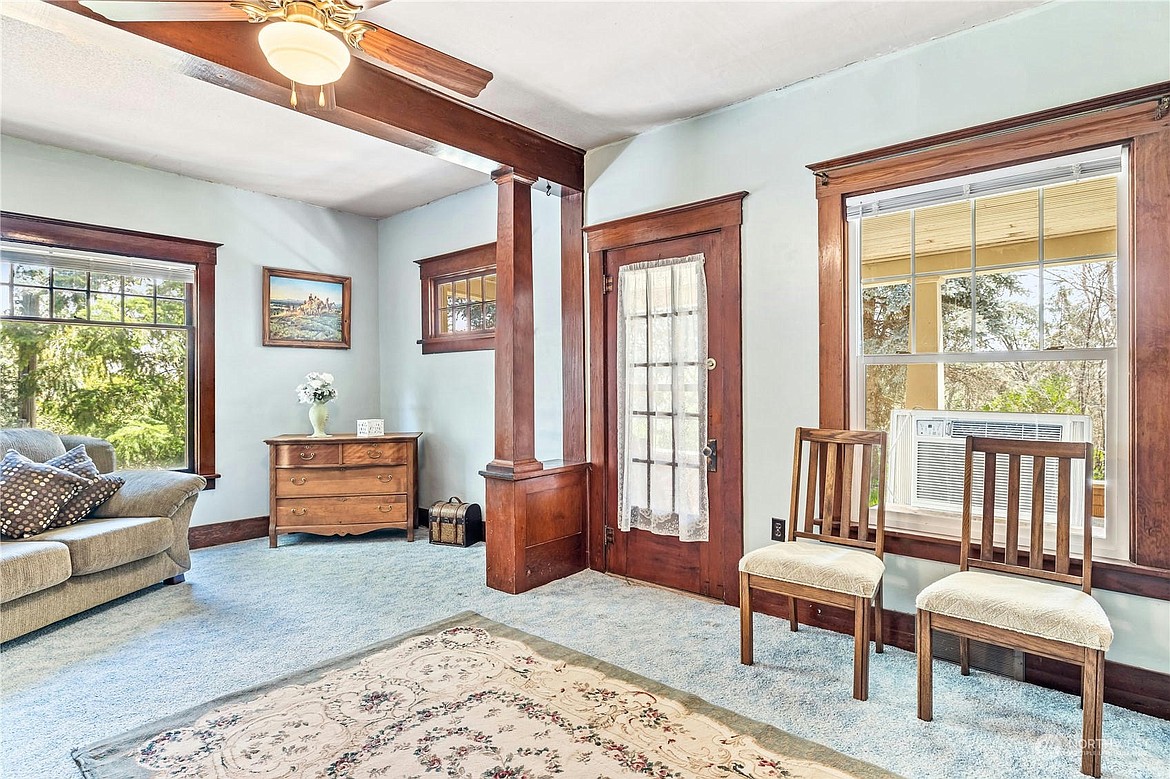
[[101, 487], [31, 493]]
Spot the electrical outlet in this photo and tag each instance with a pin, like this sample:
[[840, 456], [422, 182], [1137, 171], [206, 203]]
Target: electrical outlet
[[778, 528]]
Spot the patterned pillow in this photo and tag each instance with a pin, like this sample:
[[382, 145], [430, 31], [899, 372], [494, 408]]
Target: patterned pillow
[[31, 493], [101, 487]]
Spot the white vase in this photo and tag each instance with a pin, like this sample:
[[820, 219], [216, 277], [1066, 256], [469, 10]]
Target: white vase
[[318, 416]]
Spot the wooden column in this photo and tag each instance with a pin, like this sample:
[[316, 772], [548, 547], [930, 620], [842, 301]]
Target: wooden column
[[535, 523], [515, 331], [573, 326]]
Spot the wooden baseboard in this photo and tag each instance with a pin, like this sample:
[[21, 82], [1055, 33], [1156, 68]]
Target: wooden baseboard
[[202, 536], [1130, 687]]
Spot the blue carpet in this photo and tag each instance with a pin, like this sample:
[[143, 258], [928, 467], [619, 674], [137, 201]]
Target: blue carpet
[[249, 613]]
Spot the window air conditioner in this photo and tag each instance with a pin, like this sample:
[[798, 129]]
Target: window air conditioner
[[927, 450]]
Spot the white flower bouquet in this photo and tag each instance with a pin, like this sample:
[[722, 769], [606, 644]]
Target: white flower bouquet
[[318, 388]]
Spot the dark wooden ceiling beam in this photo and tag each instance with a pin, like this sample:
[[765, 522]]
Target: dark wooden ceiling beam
[[370, 100]]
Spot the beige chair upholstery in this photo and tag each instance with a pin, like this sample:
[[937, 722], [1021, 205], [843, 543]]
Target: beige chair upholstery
[[813, 564], [31, 566], [100, 544], [1026, 606]]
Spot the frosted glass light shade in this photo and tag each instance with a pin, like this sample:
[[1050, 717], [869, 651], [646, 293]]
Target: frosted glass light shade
[[303, 53]]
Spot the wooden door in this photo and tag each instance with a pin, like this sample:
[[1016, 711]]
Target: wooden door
[[693, 566]]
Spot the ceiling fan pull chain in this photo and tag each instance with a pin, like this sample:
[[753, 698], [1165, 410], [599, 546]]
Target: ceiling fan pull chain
[[321, 97], [293, 99]]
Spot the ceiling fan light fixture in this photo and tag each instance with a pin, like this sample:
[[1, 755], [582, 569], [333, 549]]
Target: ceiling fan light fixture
[[304, 53]]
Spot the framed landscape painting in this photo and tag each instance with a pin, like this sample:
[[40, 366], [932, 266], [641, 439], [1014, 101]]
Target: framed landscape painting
[[306, 309]]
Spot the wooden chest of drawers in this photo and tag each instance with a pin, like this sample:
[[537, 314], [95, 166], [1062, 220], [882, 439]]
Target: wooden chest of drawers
[[342, 484]]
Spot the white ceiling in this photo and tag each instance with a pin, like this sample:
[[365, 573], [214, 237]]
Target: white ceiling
[[588, 73]]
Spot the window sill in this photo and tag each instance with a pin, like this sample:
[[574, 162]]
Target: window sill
[[459, 343], [1115, 576]]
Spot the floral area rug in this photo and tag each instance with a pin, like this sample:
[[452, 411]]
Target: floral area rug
[[466, 697]]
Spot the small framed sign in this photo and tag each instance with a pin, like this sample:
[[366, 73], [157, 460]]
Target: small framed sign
[[370, 427]]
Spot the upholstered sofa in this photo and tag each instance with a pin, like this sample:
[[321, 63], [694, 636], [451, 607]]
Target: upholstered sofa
[[135, 539]]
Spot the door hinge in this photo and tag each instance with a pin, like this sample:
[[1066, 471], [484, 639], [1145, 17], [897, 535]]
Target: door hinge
[[608, 535], [607, 285]]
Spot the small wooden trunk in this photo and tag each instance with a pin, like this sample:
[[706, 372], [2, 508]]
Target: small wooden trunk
[[455, 523]]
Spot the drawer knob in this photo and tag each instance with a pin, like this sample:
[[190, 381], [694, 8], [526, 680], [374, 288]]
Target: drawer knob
[[373, 454], [308, 455], [298, 480], [385, 478], [386, 509], [298, 512]]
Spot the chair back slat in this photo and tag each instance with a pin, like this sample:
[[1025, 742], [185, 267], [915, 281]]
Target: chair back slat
[[811, 495], [1063, 510], [863, 493], [1012, 550], [835, 486], [988, 524], [845, 499], [832, 473], [1036, 548], [1041, 453]]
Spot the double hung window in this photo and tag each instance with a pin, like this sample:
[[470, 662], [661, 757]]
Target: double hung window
[[993, 304]]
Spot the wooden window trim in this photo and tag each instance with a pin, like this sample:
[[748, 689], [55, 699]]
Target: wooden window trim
[[453, 266], [1138, 119], [43, 231]]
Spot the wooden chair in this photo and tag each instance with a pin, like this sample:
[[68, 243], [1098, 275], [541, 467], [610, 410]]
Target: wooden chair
[[1042, 617], [844, 567]]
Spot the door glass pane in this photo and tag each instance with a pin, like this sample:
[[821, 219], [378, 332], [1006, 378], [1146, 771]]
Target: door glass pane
[[662, 398]]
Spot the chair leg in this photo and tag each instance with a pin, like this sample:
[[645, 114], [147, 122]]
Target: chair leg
[[964, 656], [877, 620], [793, 619], [745, 620], [1092, 694], [924, 648], [861, 612]]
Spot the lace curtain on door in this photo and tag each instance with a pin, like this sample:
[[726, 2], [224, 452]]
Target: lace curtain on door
[[662, 397]]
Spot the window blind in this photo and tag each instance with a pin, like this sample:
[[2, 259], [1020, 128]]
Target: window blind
[[1059, 174], [93, 262]]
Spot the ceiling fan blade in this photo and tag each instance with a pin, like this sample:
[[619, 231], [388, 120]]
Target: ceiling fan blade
[[425, 62], [166, 10]]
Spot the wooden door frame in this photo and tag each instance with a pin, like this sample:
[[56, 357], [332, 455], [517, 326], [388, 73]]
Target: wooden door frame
[[722, 216]]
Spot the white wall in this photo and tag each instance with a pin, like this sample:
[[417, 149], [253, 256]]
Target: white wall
[[450, 396], [1056, 54], [255, 396]]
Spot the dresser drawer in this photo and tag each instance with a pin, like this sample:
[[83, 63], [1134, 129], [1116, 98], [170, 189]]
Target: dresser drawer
[[362, 454], [373, 480], [353, 510], [308, 454]]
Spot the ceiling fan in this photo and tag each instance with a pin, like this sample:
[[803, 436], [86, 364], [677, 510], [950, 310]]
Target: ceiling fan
[[309, 41]]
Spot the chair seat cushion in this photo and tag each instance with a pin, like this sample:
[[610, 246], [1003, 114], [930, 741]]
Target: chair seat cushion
[[31, 566], [100, 544], [824, 566], [1035, 608]]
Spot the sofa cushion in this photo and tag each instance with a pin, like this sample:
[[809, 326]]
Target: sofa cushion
[[36, 445], [31, 494], [31, 566], [100, 544], [101, 487]]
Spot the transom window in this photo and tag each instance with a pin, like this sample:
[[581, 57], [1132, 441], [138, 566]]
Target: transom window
[[990, 305], [459, 300], [100, 345]]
